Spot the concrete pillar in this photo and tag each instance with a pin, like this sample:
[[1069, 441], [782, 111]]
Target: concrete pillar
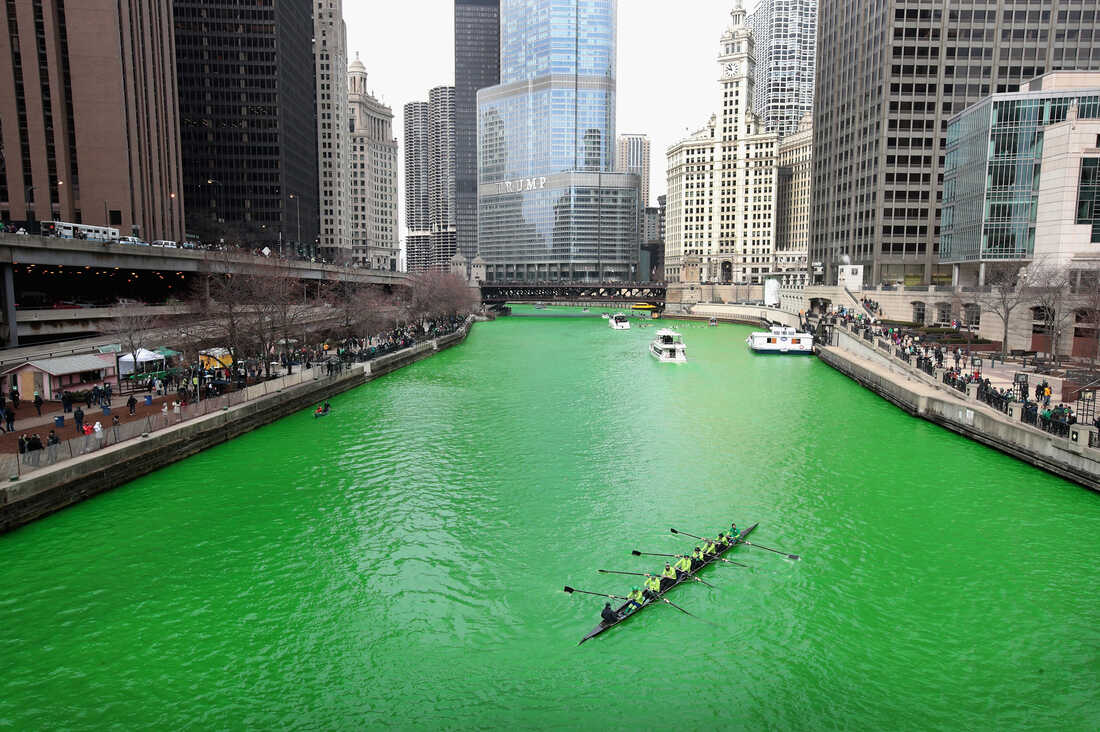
[[981, 274], [954, 275], [1082, 434], [9, 306]]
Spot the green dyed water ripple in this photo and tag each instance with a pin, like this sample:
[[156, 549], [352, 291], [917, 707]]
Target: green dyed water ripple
[[400, 562]]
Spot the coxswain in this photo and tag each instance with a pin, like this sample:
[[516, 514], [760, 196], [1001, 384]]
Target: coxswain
[[697, 558], [609, 615], [734, 533], [669, 572], [652, 586], [318, 410], [683, 564], [635, 598]]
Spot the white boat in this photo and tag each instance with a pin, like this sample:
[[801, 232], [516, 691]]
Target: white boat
[[668, 347], [619, 321], [605, 316], [781, 339]]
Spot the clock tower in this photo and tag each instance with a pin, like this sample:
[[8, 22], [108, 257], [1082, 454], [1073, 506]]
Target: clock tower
[[736, 64]]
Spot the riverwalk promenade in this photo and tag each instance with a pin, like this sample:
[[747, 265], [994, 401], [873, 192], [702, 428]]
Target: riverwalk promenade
[[82, 467]]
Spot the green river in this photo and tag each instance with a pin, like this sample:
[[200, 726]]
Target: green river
[[400, 563]]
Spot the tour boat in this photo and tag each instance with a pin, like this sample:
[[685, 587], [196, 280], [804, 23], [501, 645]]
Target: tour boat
[[668, 347], [713, 322], [619, 321], [781, 339], [666, 585]]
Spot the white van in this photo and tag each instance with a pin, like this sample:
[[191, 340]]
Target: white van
[[132, 240], [164, 243]]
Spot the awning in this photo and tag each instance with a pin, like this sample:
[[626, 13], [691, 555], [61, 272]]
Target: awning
[[166, 351], [126, 363]]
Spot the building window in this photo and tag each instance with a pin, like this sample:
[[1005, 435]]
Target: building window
[[1088, 196]]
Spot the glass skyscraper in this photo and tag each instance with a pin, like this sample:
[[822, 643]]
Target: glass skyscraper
[[550, 205]]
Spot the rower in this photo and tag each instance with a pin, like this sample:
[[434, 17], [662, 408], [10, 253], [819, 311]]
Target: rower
[[635, 598], [652, 586], [609, 615], [683, 564], [669, 572], [723, 541], [697, 558], [709, 547]]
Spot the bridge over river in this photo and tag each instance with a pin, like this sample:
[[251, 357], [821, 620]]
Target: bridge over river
[[497, 293]]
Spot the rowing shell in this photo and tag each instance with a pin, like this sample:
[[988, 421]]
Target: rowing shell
[[604, 625]]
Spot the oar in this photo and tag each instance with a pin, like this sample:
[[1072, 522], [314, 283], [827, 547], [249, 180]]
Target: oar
[[757, 546], [637, 553], [743, 541], [642, 574], [685, 612], [570, 590]]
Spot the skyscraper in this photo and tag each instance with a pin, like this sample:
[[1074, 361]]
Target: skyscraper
[[549, 204], [375, 233], [333, 156], [89, 121], [477, 65], [632, 156], [722, 180], [430, 181], [792, 205], [880, 128], [784, 34], [248, 120]]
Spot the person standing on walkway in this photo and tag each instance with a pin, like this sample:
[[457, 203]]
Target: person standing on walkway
[[23, 449], [14, 398], [52, 441], [107, 392], [9, 419], [87, 439], [114, 428], [99, 435], [66, 402], [34, 450], [38, 402], [131, 404], [78, 418]]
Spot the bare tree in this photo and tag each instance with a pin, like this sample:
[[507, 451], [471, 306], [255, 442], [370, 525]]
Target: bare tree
[[1005, 295], [436, 294], [1088, 293], [133, 328], [1049, 287]]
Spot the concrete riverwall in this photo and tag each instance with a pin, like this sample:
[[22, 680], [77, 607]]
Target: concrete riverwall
[[1071, 458], [52, 489]]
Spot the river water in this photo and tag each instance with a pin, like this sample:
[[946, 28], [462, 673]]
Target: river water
[[401, 561]]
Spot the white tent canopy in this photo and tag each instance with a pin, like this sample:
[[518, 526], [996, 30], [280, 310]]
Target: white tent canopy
[[126, 362]]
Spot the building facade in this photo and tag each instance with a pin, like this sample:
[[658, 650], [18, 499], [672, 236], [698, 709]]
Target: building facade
[[784, 35], [89, 119], [375, 231], [792, 206], [248, 125], [477, 65], [722, 180], [430, 181], [550, 206], [880, 126], [1019, 182], [333, 136], [632, 156]]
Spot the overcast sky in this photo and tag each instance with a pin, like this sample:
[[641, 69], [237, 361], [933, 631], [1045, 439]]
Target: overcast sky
[[667, 73]]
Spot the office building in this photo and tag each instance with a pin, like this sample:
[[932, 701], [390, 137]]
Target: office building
[[333, 140], [889, 77], [430, 181], [792, 206], [248, 124], [89, 121], [1022, 179], [373, 217], [632, 156], [550, 206], [784, 35], [722, 180], [477, 65]]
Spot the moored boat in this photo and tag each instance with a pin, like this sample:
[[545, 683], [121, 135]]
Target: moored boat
[[666, 586], [668, 347], [781, 339]]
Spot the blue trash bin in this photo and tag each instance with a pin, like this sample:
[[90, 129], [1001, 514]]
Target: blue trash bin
[[148, 400], [59, 421], [106, 411]]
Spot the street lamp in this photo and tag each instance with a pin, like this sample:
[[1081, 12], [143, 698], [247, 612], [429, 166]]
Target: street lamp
[[172, 214], [215, 182], [298, 218]]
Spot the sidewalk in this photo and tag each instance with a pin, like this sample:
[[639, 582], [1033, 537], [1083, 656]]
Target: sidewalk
[[28, 422]]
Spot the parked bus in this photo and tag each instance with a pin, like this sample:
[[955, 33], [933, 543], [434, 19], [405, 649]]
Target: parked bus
[[66, 230]]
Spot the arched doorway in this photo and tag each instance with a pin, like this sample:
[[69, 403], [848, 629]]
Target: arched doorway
[[727, 272]]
